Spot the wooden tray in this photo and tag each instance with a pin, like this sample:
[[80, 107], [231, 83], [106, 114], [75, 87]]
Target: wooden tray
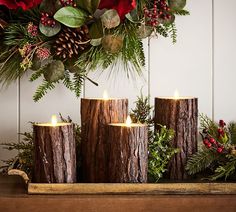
[[125, 188]]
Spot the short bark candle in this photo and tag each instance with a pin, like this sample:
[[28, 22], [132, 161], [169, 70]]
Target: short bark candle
[[95, 115], [55, 153], [180, 114], [128, 152]]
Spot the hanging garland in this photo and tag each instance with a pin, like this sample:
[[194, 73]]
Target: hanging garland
[[62, 40]]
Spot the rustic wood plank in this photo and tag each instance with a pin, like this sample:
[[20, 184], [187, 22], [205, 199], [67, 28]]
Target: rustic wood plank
[[158, 188]]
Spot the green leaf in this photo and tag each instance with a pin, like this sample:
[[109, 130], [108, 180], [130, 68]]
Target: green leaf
[[96, 30], [133, 16], [96, 42], [71, 17], [89, 5], [110, 19], [50, 31], [177, 4]]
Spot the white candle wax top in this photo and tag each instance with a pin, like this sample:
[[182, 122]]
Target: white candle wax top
[[53, 123]]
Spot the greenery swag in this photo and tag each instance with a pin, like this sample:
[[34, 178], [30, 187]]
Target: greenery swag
[[62, 40]]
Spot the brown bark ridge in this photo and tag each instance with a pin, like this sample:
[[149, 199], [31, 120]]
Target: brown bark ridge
[[128, 154], [182, 116], [95, 115], [55, 154]]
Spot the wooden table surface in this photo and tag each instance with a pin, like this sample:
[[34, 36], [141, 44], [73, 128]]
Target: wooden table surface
[[13, 197]]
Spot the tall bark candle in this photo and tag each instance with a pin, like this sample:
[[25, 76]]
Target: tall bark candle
[[128, 153], [55, 153], [95, 115], [180, 114]]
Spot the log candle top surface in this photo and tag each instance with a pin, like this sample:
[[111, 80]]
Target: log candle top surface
[[60, 124]]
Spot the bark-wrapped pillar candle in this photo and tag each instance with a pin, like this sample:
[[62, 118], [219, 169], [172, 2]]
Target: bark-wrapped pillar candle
[[180, 114], [55, 153], [128, 153], [95, 115]]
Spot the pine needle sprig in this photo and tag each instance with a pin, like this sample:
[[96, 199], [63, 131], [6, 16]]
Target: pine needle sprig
[[37, 74], [78, 84], [226, 170], [173, 33], [201, 160], [163, 31], [181, 12], [232, 132], [67, 81], [43, 89]]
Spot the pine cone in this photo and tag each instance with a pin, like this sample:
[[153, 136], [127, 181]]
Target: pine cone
[[71, 42]]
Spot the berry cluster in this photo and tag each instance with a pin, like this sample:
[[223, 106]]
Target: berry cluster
[[43, 53], [221, 135], [47, 20], [210, 142], [159, 10], [65, 3], [32, 29]]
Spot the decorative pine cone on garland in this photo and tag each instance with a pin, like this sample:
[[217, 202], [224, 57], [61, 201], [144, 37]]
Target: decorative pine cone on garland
[[71, 42]]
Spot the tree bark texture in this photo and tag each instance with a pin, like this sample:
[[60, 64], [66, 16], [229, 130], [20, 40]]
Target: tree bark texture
[[182, 116], [55, 154], [128, 154], [95, 115]]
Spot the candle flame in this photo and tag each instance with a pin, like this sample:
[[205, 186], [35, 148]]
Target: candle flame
[[105, 95], [176, 95], [128, 121], [54, 120]]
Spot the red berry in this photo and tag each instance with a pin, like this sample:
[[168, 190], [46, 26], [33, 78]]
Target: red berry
[[205, 141], [220, 131], [212, 140], [209, 145], [222, 123], [219, 149]]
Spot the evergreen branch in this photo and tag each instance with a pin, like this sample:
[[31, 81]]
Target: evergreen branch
[[173, 32], [160, 152], [201, 160], [78, 83], [181, 12], [226, 170], [232, 132], [43, 89], [67, 81], [207, 124], [36, 74], [162, 31]]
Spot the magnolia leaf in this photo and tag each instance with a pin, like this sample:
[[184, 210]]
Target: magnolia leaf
[[110, 19], [54, 71], [112, 43], [177, 4], [144, 31], [133, 16], [71, 17], [50, 31], [96, 42], [89, 5], [96, 30]]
